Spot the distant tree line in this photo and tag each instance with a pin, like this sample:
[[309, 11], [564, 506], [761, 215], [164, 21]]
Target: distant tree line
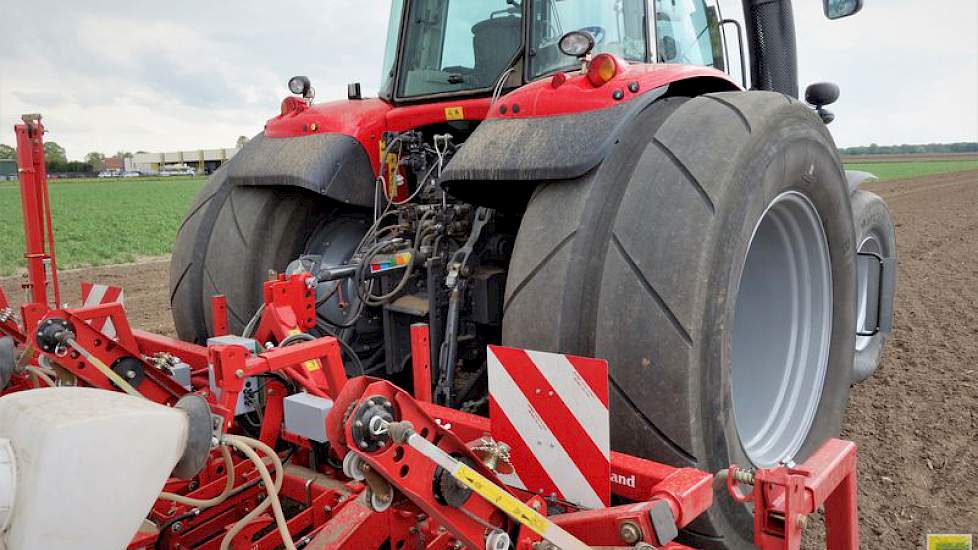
[[930, 148], [56, 159]]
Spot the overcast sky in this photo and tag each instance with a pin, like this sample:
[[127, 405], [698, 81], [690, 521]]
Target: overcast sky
[[149, 75]]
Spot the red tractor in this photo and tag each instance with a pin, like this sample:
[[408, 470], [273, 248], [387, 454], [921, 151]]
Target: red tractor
[[580, 177]]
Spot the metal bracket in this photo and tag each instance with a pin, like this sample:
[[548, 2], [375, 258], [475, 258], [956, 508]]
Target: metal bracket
[[461, 257], [663, 523]]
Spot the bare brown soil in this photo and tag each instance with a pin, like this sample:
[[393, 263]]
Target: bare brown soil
[[915, 421], [145, 284]]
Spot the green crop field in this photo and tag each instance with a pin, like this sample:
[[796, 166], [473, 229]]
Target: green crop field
[[99, 222], [894, 170]]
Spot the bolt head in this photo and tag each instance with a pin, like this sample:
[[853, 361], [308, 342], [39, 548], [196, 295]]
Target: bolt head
[[629, 533]]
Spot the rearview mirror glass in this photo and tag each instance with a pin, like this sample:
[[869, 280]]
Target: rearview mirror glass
[[837, 9]]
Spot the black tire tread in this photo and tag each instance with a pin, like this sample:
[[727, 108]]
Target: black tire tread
[[689, 183], [186, 261], [229, 240]]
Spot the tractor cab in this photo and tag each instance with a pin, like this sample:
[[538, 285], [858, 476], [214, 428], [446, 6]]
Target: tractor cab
[[471, 47], [439, 48]]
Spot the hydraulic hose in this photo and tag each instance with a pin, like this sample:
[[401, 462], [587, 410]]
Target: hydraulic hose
[[405, 278], [40, 374], [207, 503], [247, 445]]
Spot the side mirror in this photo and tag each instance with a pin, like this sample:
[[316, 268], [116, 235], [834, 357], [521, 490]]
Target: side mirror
[[819, 95], [837, 9]]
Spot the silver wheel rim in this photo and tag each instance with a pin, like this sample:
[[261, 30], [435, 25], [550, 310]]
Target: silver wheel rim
[[781, 330], [866, 284]]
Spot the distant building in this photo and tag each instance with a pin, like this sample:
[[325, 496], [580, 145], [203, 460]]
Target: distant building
[[203, 161], [113, 163], [8, 169]]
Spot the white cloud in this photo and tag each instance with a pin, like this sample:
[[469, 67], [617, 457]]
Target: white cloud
[[908, 69], [143, 75], [137, 76]]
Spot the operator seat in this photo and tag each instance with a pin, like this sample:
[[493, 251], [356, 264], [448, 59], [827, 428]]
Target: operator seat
[[494, 43]]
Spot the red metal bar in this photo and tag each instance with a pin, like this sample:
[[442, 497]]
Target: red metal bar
[[634, 478], [46, 202], [842, 515], [116, 313], [271, 425], [219, 315], [421, 362], [8, 325], [355, 526], [33, 190], [468, 427], [784, 498], [192, 354], [412, 473], [154, 385], [604, 527]]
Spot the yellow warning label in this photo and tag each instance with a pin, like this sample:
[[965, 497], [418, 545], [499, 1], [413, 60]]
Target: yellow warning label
[[949, 542], [390, 163], [454, 113], [312, 365], [502, 500]]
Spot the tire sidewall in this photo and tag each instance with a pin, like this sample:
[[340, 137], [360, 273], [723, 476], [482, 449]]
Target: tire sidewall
[[793, 156]]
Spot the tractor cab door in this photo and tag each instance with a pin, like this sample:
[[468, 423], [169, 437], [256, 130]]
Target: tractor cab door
[[688, 33]]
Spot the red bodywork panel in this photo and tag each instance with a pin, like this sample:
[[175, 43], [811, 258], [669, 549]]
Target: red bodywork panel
[[367, 119], [578, 95]]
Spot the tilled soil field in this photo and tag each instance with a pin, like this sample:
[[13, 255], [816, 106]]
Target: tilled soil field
[[915, 421]]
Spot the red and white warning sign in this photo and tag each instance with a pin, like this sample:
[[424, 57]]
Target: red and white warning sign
[[552, 410], [96, 294]]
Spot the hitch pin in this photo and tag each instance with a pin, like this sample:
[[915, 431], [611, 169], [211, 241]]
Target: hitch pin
[[403, 432]]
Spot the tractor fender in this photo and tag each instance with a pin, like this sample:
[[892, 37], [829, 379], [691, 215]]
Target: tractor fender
[[514, 150], [542, 148], [332, 165], [855, 178]]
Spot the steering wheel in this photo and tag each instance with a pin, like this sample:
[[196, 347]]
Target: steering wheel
[[597, 32]]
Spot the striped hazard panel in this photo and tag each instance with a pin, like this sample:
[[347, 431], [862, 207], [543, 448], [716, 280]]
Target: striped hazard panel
[[552, 410], [95, 295]]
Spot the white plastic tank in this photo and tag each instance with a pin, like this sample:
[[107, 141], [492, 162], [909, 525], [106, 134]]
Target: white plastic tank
[[88, 464]]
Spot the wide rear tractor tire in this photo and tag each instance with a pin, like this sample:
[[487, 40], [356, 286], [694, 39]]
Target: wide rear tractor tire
[[710, 260], [874, 235], [230, 239]]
